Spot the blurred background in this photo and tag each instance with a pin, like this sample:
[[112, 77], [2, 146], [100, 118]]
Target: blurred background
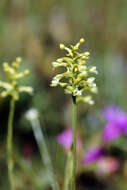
[[33, 30]]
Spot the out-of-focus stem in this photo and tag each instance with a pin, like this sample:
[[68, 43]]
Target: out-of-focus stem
[[9, 144], [44, 151], [68, 171], [74, 123]]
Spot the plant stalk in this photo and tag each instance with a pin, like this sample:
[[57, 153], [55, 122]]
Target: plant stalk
[[68, 171], [38, 134], [74, 123], [10, 143]]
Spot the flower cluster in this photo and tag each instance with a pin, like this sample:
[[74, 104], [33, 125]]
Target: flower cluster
[[75, 80], [116, 123], [13, 87]]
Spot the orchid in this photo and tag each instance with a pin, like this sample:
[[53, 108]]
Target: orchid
[[13, 87], [116, 123], [92, 155], [75, 80], [65, 139]]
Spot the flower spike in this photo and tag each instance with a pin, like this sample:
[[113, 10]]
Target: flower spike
[[13, 87], [76, 75]]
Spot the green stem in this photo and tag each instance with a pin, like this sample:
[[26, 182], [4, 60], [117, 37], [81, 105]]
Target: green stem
[[74, 123], [44, 151], [68, 171], [9, 144]]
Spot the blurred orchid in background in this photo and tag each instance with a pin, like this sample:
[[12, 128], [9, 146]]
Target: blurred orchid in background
[[116, 123], [94, 154], [104, 164], [65, 139], [107, 165]]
